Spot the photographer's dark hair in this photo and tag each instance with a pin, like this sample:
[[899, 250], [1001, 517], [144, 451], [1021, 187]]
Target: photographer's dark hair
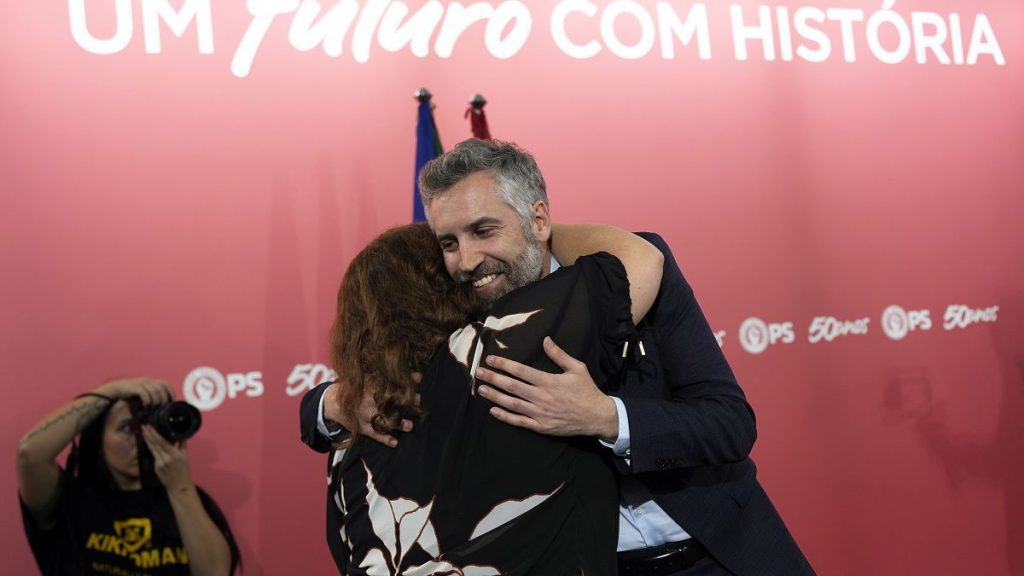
[[86, 461]]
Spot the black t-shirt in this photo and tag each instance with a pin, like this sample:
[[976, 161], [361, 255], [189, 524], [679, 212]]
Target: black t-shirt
[[466, 494], [125, 533]]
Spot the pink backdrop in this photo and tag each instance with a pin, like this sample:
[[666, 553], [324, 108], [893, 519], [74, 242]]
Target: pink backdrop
[[162, 213]]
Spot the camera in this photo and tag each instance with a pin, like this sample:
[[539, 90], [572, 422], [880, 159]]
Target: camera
[[175, 421]]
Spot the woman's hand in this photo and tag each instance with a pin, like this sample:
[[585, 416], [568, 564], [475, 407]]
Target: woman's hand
[[150, 391], [169, 461]]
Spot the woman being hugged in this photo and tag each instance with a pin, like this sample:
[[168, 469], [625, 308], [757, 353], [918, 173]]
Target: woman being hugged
[[97, 515], [464, 493]]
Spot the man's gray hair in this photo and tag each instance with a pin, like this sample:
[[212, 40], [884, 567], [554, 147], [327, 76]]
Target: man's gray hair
[[513, 169]]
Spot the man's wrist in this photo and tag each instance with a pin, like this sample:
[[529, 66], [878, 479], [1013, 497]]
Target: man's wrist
[[608, 421], [328, 427], [619, 444], [333, 428]]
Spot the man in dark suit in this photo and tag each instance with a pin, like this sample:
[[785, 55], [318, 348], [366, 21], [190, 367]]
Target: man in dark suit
[[678, 427]]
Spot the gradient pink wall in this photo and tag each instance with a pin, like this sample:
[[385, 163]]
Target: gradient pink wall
[[160, 214]]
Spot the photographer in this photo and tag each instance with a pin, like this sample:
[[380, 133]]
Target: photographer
[[100, 515]]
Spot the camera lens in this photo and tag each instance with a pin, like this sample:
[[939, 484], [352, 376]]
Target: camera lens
[[176, 421]]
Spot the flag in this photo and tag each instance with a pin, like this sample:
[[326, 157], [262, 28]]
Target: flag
[[428, 147], [477, 118]]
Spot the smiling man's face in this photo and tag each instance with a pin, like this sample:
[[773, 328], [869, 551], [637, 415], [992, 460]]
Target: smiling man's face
[[483, 240]]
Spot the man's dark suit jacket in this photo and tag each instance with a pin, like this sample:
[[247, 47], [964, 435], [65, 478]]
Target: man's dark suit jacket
[[691, 432]]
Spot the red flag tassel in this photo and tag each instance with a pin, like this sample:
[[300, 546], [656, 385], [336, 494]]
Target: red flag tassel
[[477, 118]]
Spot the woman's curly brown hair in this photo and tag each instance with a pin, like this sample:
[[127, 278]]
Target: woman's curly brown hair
[[396, 304]]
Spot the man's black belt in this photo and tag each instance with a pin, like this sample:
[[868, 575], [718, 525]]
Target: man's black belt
[[664, 559]]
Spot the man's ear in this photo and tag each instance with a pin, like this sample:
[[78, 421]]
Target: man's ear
[[541, 222]]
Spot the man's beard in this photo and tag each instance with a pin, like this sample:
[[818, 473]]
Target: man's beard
[[526, 268]]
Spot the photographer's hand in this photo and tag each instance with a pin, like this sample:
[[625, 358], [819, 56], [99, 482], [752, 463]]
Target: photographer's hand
[[170, 462], [150, 391], [206, 546]]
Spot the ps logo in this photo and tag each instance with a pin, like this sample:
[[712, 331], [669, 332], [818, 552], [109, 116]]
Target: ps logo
[[756, 335], [206, 388], [897, 322]]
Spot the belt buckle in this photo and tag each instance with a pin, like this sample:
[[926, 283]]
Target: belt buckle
[[668, 561]]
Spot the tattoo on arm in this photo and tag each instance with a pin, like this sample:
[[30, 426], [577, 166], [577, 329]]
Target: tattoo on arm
[[85, 411]]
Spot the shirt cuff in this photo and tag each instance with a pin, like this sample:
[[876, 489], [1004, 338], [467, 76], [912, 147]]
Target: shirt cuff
[[621, 445]]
